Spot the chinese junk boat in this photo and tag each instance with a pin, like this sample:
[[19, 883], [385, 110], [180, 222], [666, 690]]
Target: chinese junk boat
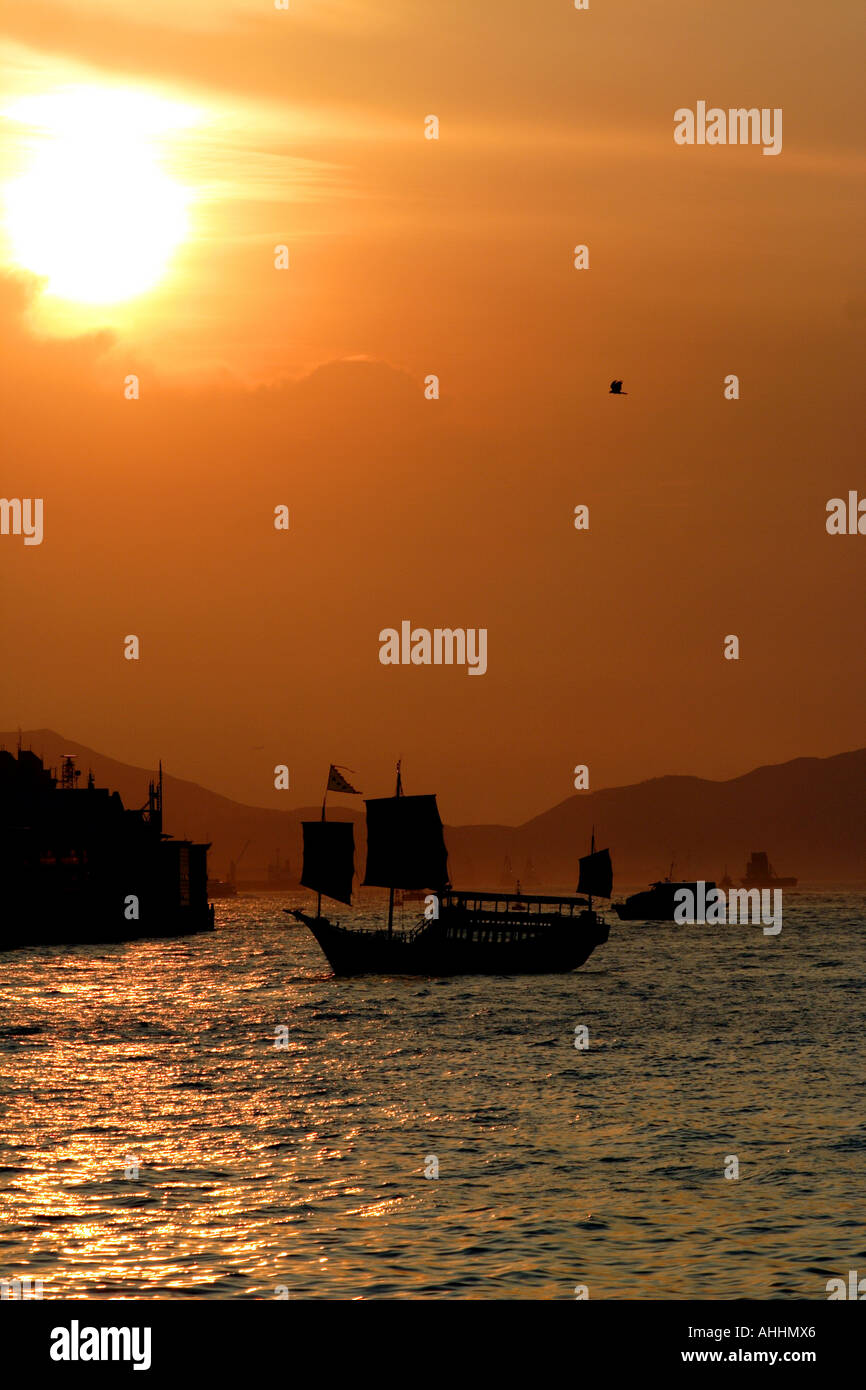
[[461, 932]]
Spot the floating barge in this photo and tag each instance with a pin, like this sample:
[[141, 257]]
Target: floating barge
[[77, 866]]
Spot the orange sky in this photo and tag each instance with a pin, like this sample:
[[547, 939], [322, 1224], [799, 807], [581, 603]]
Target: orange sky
[[452, 257]]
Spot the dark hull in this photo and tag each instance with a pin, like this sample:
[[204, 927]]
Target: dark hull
[[454, 945], [656, 904], [91, 923]]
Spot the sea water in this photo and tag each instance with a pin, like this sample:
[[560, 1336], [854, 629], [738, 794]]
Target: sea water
[[218, 1117]]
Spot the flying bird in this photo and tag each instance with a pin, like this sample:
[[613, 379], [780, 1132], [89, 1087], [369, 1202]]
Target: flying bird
[[616, 389]]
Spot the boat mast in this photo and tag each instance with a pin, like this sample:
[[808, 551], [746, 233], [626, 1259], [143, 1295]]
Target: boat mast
[[398, 792], [318, 895]]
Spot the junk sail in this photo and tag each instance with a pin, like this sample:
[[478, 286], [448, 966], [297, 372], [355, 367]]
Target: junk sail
[[596, 874], [405, 843], [329, 858], [329, 848]]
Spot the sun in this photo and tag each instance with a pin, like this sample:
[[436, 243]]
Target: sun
[[94, 211]]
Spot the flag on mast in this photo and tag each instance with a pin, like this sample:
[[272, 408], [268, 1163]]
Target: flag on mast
[[338, 783]]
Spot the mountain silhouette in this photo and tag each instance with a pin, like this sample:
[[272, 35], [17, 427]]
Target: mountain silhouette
[[809, 814]]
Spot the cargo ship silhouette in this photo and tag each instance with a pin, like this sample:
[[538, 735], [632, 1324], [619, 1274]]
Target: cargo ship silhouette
[[77, 866], [761, 874]]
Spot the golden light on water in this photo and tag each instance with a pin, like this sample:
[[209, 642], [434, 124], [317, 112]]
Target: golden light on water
[[93, 210]]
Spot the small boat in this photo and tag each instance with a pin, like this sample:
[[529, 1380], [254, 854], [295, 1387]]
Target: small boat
[[221, 888], [657, 903], [461, 931], [761, 874], [280, 873]]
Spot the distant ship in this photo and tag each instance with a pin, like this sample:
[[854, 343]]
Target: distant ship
[[227, 887], [280, 873], [221, 888], [529, 874], [75, 865], [657, 903], [468, 932], [726, 882], [761, 874]]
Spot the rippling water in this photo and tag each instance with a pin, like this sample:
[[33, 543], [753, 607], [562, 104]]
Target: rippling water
[[260, 1167]]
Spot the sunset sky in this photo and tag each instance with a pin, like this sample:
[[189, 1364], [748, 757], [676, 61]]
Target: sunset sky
[[154, 156]]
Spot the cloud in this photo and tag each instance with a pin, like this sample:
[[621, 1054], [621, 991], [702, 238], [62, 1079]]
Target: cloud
[[31, 360]]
